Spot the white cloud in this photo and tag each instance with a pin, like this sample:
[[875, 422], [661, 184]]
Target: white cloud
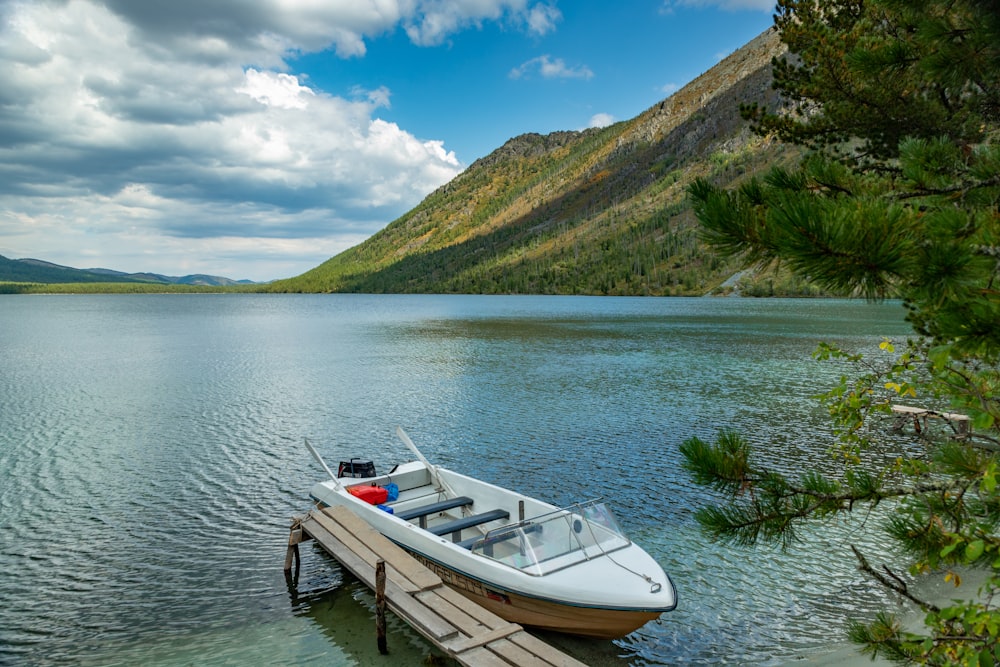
[[601, 120], [550, 68], [729, 5], [430, 22], [275, 89], [168, 135], [542, 18], [669, 88]]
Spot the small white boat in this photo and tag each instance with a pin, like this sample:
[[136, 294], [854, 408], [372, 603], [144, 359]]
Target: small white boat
[[569, 569]]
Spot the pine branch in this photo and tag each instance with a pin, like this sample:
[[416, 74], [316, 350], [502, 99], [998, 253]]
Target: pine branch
[[893, 582], [962, 188]]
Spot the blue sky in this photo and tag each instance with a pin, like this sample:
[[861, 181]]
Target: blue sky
[[485, 84], [256, 140]]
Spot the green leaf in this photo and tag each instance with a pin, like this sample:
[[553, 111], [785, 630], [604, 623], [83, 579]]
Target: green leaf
[[989, 483], [983, 421], [974, 550], [939, 355], [949, 613]]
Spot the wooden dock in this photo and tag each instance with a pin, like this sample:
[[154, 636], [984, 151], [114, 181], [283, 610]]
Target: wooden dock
[[958, 422], [462, 629]]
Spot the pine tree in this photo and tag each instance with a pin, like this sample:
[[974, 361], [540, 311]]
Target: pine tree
[[898, 103]]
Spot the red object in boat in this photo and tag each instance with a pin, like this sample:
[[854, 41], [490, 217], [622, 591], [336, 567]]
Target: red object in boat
[[374, 495]]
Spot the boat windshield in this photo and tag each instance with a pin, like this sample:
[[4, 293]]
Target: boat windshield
[[553, 541]]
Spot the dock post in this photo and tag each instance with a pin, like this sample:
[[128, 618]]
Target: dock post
[[292, 554], [380, 606]]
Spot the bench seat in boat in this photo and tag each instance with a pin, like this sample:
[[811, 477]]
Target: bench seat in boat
[[458, 525], [433, 508], [497, 536]]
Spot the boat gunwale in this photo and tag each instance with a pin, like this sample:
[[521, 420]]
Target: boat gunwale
[[430, 538]]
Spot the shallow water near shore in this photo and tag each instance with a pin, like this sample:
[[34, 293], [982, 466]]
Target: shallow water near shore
[[151, 460]]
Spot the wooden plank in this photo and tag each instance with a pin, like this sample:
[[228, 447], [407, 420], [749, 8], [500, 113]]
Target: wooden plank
[[549, 654], [482, 657], [425, 620], [392, 553], [515, 654], [461, 620], [467, 643], [470, 607]]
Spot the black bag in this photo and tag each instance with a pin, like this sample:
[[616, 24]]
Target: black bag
[[356, 468]]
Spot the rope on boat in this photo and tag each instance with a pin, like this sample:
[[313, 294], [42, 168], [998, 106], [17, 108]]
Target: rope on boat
[[654, 586]]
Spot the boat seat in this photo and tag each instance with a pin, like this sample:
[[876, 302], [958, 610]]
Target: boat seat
[[458, 525], [440, 506], [495, 537]]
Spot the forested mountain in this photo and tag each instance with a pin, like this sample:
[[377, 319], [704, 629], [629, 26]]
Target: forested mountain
[[40, 271], [602, 211], [37, 271]]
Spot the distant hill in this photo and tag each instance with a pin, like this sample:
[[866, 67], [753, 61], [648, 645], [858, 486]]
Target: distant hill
[[40, 271], [601, 211]]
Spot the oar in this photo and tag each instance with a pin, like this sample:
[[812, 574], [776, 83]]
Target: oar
[[432, 469], [319, 459], [413, 448]]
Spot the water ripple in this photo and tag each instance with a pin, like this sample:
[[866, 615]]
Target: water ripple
[[151, 459]]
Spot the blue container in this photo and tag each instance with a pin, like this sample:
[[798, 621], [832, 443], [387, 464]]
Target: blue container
[[385, 508]]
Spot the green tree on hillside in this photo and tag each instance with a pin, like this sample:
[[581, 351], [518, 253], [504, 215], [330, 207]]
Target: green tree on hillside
[[899, 102]]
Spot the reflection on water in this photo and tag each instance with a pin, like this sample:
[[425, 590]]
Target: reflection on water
[[151, 460]]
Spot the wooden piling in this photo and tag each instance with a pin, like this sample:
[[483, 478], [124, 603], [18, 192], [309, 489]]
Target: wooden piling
[[292, 553], [380, 606]]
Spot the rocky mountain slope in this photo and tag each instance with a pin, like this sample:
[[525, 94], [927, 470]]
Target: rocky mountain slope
[[602, 211]]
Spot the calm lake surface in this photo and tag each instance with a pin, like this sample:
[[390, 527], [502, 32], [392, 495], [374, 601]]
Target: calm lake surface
[[151, 459]]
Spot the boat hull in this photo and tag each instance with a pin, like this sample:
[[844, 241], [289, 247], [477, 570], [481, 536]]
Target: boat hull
[[539, 613], [527, 575]]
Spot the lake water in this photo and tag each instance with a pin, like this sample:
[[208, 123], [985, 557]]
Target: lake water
[[151, 460]]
